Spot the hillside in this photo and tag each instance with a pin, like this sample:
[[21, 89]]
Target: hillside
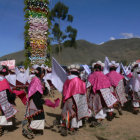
[[85, 52]]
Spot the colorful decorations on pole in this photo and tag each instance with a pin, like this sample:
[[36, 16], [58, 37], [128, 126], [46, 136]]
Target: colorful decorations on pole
[[36, 31]]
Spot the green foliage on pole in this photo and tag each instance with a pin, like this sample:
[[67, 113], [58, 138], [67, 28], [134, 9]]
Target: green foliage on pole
[[38, 14]]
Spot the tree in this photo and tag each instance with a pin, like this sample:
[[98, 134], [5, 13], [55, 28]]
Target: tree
[[66, 34], [56, 34]]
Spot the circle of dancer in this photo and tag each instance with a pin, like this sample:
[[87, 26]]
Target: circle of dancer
[[90, 95]]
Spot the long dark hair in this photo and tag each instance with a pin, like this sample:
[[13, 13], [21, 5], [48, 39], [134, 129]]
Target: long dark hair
[[4, 70], [75, 73], [113, 68], [97, 67], [39, 71]]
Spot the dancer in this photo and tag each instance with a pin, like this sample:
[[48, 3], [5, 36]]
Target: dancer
[[75, 106], [7, 101], [101, 99], [117, 86], [35, 112]]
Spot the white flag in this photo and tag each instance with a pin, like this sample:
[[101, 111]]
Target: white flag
[[59, 75], [27, 75], [87, 69], [124, 71], [11, 78], [48, 76], [106, 67], [118, 70], [23, 77]]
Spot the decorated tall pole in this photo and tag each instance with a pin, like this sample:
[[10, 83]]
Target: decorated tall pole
[[36, 32]]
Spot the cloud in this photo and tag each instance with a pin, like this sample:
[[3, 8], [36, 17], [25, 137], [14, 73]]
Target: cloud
[[101, 43], [112, 38], [127, 35]]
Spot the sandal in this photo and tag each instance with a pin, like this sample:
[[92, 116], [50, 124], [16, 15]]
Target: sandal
[[55, 123], [64, 131], [72, 132], [95, 124], [27, 134]]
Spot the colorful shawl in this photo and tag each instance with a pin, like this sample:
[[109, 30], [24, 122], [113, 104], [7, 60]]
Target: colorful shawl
[[120, 93], [35, 86], [108, 97], [4, 85], [49, 103], [22, 95], [99, 81], [82, 106], [7, 108], [114, 78], [73, 87]]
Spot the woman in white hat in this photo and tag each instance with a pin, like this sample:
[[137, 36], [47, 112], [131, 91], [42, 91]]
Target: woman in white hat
[[117, 86], [100, 96], [7, 109], [135, 87], [74, 101], [35, 111]]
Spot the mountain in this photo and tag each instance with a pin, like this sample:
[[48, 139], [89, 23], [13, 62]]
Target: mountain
[[126, 50]]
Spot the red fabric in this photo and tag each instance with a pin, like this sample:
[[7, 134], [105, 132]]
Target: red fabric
[[49, 103], [22, 95], [129, 75], [99, 81], [4, 85], [72, 87], [35, 86], [114, 78], [19, 84]]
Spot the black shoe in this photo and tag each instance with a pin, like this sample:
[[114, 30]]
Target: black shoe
[[55, 123], [110, 116], [135, 112], [64, 131], [1, 131], [72, 132], [95, 124], [120, 112]]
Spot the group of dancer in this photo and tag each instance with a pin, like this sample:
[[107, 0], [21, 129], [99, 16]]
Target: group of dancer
[[86, 98]]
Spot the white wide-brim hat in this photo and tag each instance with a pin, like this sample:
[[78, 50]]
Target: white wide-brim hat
[[113, 63], [93, 64], [134, 63], [74, 67], [100, 63]]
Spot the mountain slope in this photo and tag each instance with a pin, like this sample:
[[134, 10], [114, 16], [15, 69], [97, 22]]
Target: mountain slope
[[85, 52]]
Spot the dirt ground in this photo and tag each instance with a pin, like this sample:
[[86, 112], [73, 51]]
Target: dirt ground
[[126, 127]]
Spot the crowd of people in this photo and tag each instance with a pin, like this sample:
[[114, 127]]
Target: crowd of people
[[88, 96]]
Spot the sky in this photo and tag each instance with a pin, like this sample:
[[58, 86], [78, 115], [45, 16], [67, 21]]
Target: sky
[[97, 21]]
